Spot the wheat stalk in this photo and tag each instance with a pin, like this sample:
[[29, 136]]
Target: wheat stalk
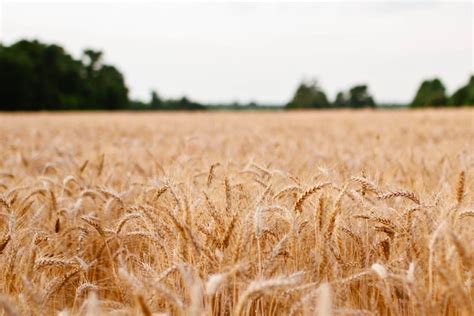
[[406, 194], [306, 194], [460, 187]]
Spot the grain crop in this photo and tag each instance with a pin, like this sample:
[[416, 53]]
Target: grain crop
[[271, 213]]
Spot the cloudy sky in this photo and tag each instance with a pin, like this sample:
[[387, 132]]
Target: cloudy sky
[[218, 51]]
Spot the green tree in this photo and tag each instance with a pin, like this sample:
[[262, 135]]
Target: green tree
[[156, 101], [92, 59], [359, 97], [464, 95], [37, 76], [104, 86], [430, 93], [183, 104], [109, 89], [309, 95], [341, 100]]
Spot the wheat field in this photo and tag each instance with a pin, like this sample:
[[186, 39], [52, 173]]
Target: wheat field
[[283, 213]]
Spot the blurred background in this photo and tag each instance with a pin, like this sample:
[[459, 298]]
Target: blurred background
[[111, 55]]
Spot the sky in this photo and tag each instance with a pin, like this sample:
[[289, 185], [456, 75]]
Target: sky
[[247, 51]]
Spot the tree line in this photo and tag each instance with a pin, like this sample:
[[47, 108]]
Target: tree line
[[38, 76], [431, 93], [310, 95]]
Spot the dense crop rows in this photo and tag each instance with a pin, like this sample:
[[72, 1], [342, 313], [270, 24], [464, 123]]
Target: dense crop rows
[[349, 213]]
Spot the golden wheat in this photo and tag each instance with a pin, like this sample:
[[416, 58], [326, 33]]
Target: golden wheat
[[237, 213]]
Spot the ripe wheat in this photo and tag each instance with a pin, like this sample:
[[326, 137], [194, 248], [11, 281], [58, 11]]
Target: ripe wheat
[[237, 214]]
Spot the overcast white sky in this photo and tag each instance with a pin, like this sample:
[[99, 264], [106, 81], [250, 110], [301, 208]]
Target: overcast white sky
[[214, 52]]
